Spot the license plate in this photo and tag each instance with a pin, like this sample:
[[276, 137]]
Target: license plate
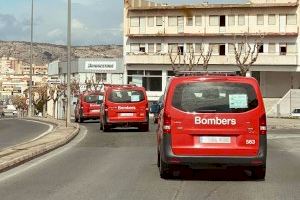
[[95, 111], [126, 114], [215, 140]]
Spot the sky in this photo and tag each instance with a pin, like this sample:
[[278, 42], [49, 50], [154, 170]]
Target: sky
[[94, 22]]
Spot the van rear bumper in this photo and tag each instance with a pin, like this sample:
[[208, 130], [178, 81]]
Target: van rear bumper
[[206, 161]]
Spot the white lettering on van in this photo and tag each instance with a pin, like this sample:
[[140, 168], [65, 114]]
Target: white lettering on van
[[214, 121], [126, 108]]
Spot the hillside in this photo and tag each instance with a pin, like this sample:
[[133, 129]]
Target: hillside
[[44, 53]]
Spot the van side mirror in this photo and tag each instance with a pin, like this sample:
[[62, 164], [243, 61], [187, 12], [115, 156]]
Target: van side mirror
[[155, 108]]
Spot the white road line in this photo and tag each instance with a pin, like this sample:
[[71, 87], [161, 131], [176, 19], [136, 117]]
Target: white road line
[[35, 162], [50, 129]]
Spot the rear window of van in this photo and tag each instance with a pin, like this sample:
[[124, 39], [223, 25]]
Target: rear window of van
[[98, 99], [126, 96], [214, 97]]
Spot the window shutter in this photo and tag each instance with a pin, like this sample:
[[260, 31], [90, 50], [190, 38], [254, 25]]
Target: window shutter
[[198, 20], [150, 21], [231, 20], [172, 21], [291, 19], [272, 19], [272, 48], [134, 21], [214, 20], [241, 19]]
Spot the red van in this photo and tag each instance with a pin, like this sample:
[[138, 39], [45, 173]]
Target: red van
[[88, 106], [124, 106], [211, 121]]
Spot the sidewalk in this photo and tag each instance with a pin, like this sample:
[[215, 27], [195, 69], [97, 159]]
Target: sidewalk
[[283, 123]]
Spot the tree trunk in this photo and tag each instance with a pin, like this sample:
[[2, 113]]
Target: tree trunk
[[53, 109]]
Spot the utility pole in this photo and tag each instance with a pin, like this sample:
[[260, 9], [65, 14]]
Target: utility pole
[[31, 60], [68, 117]]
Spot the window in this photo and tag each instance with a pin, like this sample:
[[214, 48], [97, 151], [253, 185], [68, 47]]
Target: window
[[222, 21], [151, 48], [126, 96], [189, 47], [101, 77], [172, 48], [272, 48], [142, 48], [231, 20], [189, 21], [134, 47], [150, 21], [231, 48], [180, 49], [134, 22], [222, 50], [198, 48], [150, 80], [159, 21], [214, 97], [215, 48], [241, 20], [214, 20], [283, 49], [158, 47], [260, 19], [260, 48], [198, 20], [272, 20], [291, 48], [98, 99], [172, 21], [291, 19]]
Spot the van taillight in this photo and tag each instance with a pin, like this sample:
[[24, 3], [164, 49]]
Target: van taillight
[[263, 125], [147, 106], [105, 108], [167, 123]]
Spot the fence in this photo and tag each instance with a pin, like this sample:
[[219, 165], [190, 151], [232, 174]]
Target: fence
[[286, 105]]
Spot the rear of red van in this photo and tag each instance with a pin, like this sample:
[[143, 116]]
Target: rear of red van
[[213, 120]]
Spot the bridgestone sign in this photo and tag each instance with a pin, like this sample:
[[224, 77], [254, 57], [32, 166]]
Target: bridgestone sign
[[100, 65]]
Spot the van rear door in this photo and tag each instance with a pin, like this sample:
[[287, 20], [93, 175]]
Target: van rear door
[[215, 118], [126, 105]]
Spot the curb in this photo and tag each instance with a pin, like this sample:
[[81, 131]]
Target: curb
[[21, 153]]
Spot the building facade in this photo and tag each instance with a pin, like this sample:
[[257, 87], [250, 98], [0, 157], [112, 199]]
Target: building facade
[[152, 31]]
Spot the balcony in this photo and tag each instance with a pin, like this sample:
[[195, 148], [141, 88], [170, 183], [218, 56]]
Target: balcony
[[215, 60], [134, 32]]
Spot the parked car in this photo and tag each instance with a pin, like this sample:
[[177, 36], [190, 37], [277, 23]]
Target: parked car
[[88, 106], [296, 113], [156, 108], [212, 120], [124, 106], [10, 111]]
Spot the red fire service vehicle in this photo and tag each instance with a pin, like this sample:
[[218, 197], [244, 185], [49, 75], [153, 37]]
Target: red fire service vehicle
[[212, 120], [88, 106], [124, 106]]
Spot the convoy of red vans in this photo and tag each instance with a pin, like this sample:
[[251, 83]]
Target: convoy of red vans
[[204, 120]]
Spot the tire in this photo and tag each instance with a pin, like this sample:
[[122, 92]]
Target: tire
[[144, 127], [165, 170], [100, 125], [105, 128], [259, 172]]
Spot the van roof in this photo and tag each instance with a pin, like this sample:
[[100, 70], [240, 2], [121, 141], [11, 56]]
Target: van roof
[[214, 77]]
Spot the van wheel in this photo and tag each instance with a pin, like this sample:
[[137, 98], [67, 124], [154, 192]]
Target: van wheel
[[101, 126], [144, 127], [258, 172], [165, 170], [105, 128]]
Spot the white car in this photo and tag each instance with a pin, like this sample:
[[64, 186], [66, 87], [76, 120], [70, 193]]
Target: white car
[[296, 113]]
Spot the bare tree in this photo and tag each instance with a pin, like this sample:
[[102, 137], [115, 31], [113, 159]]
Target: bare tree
[[189, 61], [20, 103], [246, 54]]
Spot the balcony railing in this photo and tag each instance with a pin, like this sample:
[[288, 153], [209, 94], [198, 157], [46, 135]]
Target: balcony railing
[[164, 59]]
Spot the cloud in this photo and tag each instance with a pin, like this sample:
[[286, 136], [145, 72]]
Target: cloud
[[76, 24], [11, 28]]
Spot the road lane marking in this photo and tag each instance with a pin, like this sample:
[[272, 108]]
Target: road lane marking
[[37, 161]]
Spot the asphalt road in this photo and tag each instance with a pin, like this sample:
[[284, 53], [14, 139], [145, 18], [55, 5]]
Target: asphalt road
[[14, 131], [122, 165]]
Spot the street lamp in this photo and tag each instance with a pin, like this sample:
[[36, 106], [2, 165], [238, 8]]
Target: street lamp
[[68, 118], [31, 60]]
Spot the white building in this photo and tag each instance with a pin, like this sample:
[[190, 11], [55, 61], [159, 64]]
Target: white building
[[152, 29]]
